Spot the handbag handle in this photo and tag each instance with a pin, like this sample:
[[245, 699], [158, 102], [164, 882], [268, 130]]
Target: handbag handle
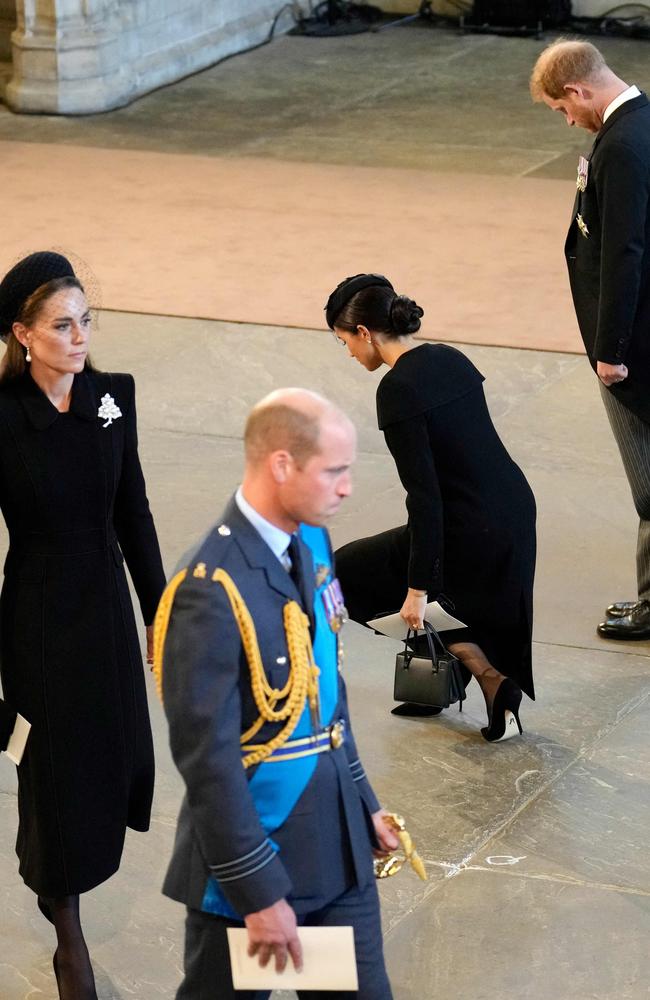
[[432, 639]]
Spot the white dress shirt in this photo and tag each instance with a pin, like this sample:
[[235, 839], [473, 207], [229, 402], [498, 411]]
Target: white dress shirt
[[627, 95]]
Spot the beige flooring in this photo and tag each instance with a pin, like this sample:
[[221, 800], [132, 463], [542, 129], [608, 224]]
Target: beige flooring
[[245, 193], [265, 241]]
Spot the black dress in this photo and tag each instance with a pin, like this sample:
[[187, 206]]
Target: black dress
[[471, 527], [73, 498]]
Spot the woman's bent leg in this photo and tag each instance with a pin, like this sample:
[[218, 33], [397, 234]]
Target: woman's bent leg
[[373, 574]]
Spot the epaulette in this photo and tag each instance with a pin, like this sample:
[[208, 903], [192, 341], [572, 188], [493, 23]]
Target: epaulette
[[210, 554], [199, 570]]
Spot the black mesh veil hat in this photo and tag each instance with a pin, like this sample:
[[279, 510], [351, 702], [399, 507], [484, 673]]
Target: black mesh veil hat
[[24, 279]]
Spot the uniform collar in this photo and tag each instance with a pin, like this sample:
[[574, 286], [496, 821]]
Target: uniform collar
[[42, 413], [260, 556], [276, 539]]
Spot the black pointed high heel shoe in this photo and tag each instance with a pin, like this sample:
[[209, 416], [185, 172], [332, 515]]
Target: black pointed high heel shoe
[[503, 720]]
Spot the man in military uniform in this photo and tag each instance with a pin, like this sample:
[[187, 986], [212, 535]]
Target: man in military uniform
[[279, 821]]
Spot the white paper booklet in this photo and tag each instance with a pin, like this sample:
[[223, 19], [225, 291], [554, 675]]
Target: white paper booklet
[[18, 740], [395, 627], [329, 962]]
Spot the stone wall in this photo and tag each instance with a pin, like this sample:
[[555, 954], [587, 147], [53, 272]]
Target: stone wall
[[7, 25], [81, 56]]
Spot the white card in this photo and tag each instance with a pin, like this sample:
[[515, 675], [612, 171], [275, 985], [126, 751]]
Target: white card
[[329, 962], [18, 740], [395, 627]]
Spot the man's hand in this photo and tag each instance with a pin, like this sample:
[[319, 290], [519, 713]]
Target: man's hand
[[414, 607], [386, 836], [274, 931], [610, 374]]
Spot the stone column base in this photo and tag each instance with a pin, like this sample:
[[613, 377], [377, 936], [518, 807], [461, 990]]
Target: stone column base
[[82, 63]]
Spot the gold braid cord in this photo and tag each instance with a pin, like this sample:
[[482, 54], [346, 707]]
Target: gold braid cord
[[302, 682], [160, 626]]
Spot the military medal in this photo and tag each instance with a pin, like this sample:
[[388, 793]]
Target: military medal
[[582, 226], [583, 173], [334, 605], [322, 573]]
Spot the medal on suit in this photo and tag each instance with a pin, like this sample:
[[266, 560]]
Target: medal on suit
[[583, 174], [582, 226], [334, 605]]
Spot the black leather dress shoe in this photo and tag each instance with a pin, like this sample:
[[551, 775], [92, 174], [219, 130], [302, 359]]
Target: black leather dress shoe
[[623, 608], [635, 625]]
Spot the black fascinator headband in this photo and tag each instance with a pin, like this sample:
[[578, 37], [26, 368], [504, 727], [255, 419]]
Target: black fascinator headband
[[348, 289], [22, 281]]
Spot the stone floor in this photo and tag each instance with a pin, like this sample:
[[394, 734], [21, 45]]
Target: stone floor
[[535, 849], [418, 97], [539, 881]]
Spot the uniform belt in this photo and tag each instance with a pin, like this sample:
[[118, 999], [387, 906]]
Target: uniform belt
[[330, 738]]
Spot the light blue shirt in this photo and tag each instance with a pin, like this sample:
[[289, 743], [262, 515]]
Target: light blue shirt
[[276, 539]]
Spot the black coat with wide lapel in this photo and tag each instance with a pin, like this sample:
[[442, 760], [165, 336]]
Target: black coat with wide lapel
[[609, 265], [72, 495]]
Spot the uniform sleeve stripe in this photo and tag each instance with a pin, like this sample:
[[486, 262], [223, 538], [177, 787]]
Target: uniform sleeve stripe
[[250, 858], [251, 871], [356, 770]]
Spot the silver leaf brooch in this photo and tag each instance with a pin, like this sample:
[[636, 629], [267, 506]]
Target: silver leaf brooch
[[108, 411]]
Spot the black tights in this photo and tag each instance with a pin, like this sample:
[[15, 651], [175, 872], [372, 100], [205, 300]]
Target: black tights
[[74, 973]]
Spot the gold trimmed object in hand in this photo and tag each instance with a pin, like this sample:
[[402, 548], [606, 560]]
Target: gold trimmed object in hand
[[390, 864]]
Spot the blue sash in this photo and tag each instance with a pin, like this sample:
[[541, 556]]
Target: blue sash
[[276, 786]]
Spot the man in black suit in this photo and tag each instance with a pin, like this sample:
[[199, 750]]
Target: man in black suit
[[608, 256], [279, 820]]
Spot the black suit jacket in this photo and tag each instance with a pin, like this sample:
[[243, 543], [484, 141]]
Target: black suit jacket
[[325, 844], [609, 269]]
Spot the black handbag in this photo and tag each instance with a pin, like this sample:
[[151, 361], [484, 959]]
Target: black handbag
[[435, 679]]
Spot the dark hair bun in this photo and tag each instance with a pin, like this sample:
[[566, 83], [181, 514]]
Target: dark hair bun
[[405, 316]]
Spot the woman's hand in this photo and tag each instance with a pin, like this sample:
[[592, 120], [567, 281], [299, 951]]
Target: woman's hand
[[414, 607], [386, 837], [150, 644]]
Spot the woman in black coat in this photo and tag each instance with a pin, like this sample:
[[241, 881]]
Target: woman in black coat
[[470, 535], [73, 498]]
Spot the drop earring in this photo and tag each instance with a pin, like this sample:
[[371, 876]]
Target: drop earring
[[28, 356]]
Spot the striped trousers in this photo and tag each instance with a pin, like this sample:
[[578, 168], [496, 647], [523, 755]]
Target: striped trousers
[[633, 439]]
